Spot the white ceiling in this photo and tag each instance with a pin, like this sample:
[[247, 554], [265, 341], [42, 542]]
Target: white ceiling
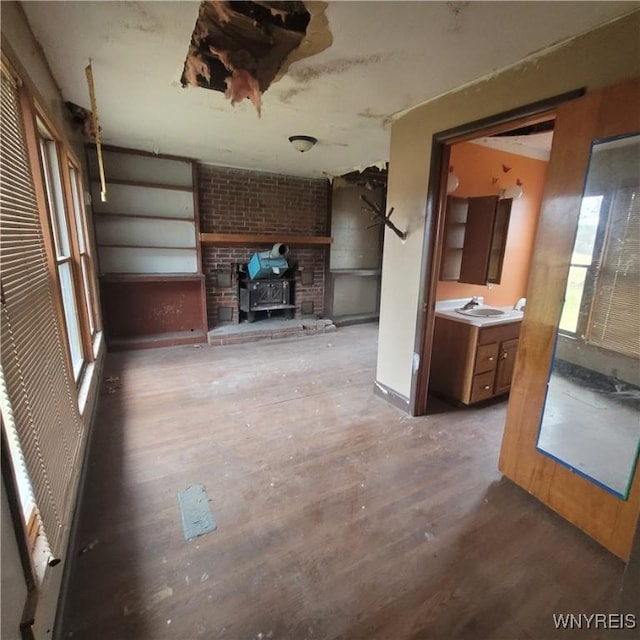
[[385, 58]]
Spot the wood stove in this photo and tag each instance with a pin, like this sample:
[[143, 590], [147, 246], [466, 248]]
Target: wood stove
[[266, 296]]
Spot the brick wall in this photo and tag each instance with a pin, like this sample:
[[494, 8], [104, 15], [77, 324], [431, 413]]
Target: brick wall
[[241, 201]]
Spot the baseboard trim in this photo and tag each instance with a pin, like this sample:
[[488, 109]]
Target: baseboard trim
[[393, 397]]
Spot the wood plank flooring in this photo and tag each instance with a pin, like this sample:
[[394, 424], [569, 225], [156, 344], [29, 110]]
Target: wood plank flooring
[[339, 517]]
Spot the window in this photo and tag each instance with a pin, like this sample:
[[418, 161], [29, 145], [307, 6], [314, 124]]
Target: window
[[613, 323], [40, 415], [602, 298], [582, 262], [83, 246], [72, 256]]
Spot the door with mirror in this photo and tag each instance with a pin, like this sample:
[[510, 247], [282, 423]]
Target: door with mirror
[[591, 419], [572, 431]]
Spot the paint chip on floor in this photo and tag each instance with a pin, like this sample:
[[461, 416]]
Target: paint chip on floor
[[197, 518]]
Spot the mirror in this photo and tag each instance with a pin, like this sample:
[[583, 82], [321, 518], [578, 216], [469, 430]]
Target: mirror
[[591, 417]]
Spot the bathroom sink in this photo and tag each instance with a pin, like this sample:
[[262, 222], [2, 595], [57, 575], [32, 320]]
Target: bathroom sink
[[482, 312]]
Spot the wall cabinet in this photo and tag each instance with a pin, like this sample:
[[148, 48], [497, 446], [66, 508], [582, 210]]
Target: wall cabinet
[[475, 238], [470, 363]]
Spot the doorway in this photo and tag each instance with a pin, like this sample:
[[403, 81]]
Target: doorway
[[605, 118], [526, 118], [494, 195]]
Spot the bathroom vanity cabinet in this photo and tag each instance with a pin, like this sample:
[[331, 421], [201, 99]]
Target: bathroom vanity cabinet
[[470, 362]]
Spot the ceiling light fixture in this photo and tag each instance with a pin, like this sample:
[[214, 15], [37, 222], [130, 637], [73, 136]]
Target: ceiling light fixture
[[302, 143]]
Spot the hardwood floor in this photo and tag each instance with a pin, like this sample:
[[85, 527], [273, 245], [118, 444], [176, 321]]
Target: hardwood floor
[[339, 517]]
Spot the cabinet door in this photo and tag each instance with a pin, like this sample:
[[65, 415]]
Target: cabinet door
[[499, 240], [478, 235], [475, 237], [506, 362]]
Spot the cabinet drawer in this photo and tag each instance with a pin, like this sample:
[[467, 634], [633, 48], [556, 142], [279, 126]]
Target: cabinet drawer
[[499, 333], [482, 386], [486, 358]]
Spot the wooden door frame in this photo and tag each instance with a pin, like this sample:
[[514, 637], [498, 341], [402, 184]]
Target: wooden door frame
[[434, 222]]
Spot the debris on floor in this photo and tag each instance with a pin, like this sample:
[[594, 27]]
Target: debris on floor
[[88, 547], [113, 384]]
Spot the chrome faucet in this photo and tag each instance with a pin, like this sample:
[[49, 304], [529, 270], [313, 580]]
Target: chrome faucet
[[472, 303]]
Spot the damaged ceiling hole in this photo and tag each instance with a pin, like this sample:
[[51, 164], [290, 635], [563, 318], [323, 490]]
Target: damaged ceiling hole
[[239, 47]]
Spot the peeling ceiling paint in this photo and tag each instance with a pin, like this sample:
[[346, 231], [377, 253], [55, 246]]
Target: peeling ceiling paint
[[367, 62]]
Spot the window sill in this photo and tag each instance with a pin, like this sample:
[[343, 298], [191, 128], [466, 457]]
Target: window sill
[[98, 339], [88, 374]]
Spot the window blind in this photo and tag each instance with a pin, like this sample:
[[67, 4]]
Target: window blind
[[615, 311], [39, 388]]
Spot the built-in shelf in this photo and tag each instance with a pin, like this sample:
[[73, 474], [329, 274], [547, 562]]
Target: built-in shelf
[[142, 216], [152, 286], [150, 185], [152, 277], [144, 246], [228, 239], [356, 272]]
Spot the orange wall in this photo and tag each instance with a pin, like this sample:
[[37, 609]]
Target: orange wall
[[476, 167]]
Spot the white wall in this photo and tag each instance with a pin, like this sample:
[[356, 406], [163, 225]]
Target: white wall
[[596, 59], [16, 33]]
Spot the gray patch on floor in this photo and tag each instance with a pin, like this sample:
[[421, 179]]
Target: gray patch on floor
[[197, 518]]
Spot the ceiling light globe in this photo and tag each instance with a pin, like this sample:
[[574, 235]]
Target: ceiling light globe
[[302, 143]]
